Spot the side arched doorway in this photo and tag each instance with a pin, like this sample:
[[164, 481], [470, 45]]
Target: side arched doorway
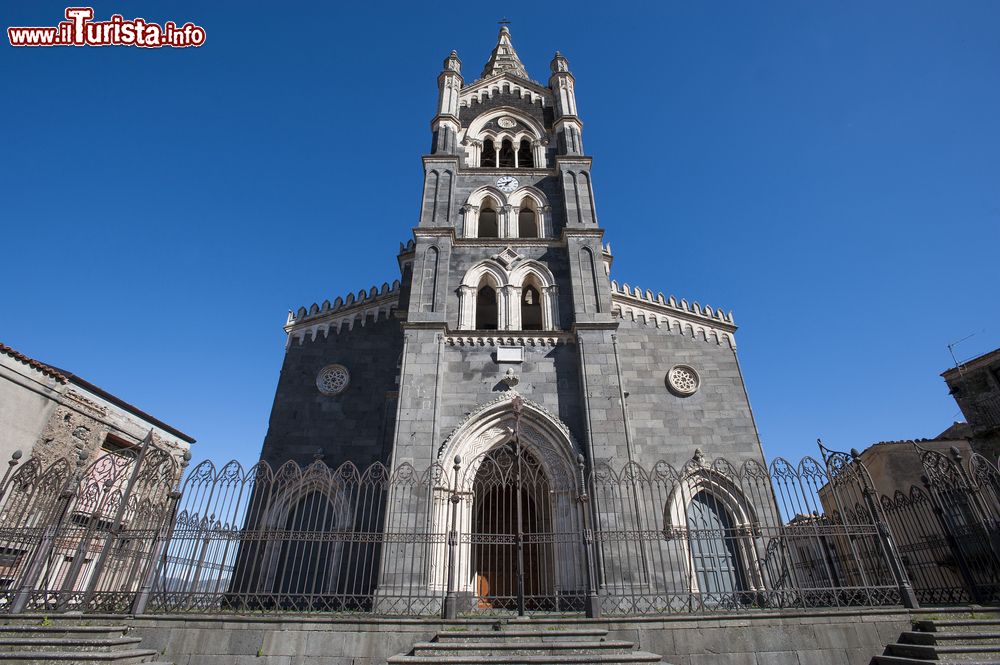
[[715, 550]]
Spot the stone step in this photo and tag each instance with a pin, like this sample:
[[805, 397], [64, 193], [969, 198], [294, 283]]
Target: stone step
[[122, 657], [520, 648], [921, 637], [45, 643], [957, 652], [537, 635], [85, 632], [541, 659], [902, 660], [958, 625]]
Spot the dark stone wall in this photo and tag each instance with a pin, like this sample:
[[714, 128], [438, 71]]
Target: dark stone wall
[[716, 418], [545, 116], [356, 425]]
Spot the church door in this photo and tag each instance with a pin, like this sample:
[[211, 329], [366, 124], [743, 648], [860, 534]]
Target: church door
[[511, 505], [715, 549]]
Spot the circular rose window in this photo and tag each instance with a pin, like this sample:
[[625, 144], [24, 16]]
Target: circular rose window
[[333, 379], [683, 380]]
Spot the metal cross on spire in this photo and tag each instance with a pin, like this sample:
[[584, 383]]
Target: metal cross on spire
[[504, 22]]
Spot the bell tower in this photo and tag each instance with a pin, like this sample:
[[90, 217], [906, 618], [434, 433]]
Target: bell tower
[[507, 254]]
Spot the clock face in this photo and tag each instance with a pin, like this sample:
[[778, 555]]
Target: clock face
[[507, 183]]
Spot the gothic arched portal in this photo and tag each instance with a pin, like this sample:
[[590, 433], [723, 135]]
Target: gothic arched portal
[[715, 549], [510, 496]]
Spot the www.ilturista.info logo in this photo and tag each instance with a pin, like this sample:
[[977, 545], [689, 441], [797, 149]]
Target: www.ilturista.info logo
[[81, 30]]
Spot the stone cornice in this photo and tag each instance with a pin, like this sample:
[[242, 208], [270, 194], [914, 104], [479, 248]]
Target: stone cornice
[[583, 159], [495, 171], [541, 338]]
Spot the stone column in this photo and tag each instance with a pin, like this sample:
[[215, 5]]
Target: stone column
[[505, 223], [550, 307], [544, 214], [466, 307]]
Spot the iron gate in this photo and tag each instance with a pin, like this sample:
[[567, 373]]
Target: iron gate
[[968, 513], [84, 538]]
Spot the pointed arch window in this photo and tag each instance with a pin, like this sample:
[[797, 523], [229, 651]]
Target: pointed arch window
[[531, 308], [489, 221], [527, 223], [486, 308], [525, 157], [489, 157], [506, 155]]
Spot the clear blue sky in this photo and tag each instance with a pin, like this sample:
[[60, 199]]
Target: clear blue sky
[[830, 171]]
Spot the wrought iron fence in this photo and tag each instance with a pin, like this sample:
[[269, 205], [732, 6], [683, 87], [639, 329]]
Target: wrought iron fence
[[497, 534]]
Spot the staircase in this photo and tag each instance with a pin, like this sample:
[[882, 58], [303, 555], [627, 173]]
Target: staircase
[[38, 642], [524, 646], [973, 640]]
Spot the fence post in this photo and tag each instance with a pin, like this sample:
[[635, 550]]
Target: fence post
[[11, 463], [451, 597], [906, 595], [157, 553], [160, 546], [592, 604], [47, 542]]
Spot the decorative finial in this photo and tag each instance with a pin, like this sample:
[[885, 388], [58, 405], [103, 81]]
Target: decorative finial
[[504, 58], [559, 64]]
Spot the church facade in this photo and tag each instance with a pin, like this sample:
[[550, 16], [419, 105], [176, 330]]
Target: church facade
[[504, 369], [505, 289]]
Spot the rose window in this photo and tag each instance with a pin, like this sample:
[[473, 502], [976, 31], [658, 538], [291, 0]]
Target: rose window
[[683, 380], [333, 379]]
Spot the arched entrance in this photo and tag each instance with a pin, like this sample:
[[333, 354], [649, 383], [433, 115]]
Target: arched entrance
[[511, 504], [517, 513], [715, 550]]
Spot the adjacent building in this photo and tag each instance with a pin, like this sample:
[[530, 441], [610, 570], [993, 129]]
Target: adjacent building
[[975, 385], [49, 413]]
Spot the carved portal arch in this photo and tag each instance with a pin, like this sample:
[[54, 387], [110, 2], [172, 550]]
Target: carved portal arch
[[492, 425], [548, 441]]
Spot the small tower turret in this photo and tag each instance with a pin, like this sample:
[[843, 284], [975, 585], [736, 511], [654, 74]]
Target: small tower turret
[[445, 124], [568, 127]]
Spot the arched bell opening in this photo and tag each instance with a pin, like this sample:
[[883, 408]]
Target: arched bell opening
[[506, 154], [525, 158], [489, 220], [531, 307], [489, 156], [527, 223], [486, 308]]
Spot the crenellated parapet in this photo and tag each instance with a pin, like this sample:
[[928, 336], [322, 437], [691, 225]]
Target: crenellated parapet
[[343, 313], [689, 318]]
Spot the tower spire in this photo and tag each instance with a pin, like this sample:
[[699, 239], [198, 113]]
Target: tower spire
[[504, 58]]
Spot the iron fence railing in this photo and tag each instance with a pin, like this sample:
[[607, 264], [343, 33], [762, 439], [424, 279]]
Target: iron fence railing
[[497, 534]]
